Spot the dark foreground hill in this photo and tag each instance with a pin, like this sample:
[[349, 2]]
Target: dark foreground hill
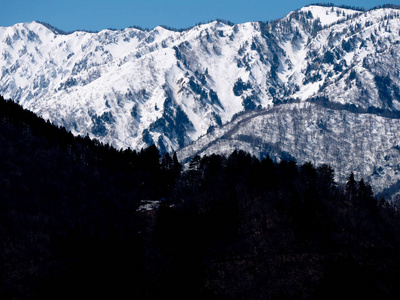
[[228, 227], [68, 218]]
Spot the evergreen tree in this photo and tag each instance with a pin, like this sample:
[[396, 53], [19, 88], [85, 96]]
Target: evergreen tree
[[176, 166], [366, 196], [194, 164], [167, 162], [351, 188], [326, 176]]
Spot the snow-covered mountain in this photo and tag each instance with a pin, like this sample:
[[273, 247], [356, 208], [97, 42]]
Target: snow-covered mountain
[[132, 87], [351, 141]]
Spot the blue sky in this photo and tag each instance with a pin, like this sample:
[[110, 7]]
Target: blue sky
[[69, 15]]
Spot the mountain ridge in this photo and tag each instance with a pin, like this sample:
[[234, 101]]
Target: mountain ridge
[[309, 132], [228, 22], [132, 88]]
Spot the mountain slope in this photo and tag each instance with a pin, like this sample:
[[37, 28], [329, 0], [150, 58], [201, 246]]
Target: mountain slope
[[68, 218], [360, 142], [234, 227], [132, 88]]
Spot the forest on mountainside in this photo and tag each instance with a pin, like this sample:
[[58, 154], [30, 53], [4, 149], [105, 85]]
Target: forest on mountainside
[[230, 227], [68, 219]]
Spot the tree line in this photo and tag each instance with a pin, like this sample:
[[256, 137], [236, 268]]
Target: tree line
[[228, 227], [251, 229]]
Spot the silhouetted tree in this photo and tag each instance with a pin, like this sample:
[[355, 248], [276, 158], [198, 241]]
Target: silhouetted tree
[[351, 188]]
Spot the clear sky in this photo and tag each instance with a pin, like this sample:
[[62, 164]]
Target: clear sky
[[69, 15]]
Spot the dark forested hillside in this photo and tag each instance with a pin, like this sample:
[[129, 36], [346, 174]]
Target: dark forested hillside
[[68, 219], [227, 227], [253, 229]]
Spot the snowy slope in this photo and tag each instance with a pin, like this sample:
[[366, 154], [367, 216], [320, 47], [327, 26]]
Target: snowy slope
[[128, 88], [364, 143], [131, 88]]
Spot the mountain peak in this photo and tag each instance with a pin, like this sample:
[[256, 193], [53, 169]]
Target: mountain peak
[[328, 14], [133, 88]]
